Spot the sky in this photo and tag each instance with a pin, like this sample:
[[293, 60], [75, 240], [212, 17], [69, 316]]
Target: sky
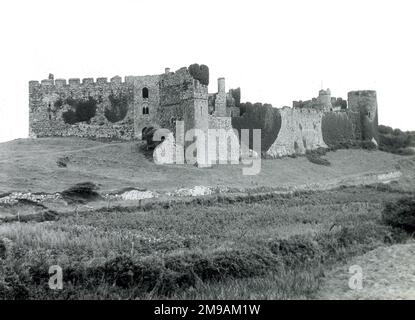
[[276, 51]]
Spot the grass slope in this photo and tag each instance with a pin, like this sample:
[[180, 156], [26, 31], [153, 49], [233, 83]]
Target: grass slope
[[30, 165]]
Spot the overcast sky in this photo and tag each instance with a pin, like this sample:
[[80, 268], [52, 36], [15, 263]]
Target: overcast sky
[[276, 51]]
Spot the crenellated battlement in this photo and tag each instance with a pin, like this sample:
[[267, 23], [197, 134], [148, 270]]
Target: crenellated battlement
[[73, 82], [167, 78]]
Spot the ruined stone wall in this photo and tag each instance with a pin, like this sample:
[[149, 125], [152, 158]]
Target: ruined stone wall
[[300, 131], [50, 100]]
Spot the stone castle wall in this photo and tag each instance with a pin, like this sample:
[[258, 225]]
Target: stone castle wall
[[300, 131], [123, 109], [338, 127], [49, 99]]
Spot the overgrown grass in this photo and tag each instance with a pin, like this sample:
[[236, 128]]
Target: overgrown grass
[[275, 247]]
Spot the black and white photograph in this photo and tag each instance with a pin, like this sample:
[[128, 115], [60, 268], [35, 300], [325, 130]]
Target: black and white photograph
[[227, 152]]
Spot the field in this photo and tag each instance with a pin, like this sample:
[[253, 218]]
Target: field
[[253, 243]]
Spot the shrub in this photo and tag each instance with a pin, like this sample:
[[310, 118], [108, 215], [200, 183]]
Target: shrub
[[410, 151], [235, 264], [177, 271], [200, 73], [396, 141], [385, 129], [368, 145], [400, 214], [11, 288]]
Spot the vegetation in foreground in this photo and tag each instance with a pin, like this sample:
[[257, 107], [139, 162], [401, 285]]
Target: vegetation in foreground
[[396, 141], [274, 248]]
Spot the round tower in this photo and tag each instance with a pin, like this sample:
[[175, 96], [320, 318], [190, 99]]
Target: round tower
[[363, 106]]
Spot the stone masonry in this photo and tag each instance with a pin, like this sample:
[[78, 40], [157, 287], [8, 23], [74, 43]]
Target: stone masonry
[[117, 109]]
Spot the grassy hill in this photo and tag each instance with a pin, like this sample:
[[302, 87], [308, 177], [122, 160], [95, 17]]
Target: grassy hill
[[31, 165]]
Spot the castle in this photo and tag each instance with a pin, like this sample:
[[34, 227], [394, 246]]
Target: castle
[[117, 109]]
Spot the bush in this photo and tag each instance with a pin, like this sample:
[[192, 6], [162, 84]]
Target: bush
[[405, 151], [200, 73], [234, 264], [400, 214], [385, 129], [396, 141], [176, 272], [368, 145]]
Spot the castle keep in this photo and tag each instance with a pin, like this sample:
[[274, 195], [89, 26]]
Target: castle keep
[[124, 109]]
